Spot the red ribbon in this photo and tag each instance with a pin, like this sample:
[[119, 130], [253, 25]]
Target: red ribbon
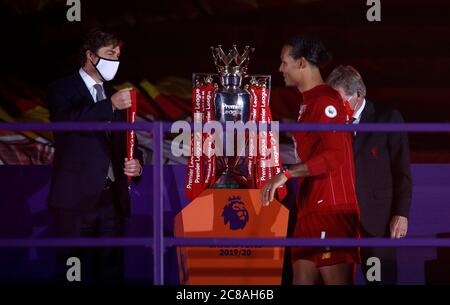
[[131, 134], [198, 177], [210, 174], [260, 167], [267, 160], [252, 175]]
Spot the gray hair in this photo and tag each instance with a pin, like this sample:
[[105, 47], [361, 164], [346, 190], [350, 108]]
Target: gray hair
[[348, 78]]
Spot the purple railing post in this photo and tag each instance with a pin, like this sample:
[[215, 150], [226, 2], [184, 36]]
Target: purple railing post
[[158, 238]]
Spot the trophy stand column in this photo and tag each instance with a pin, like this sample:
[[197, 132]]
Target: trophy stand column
[[228, 179]]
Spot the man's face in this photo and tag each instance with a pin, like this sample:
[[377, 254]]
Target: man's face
[[342, 93], [109, 52], [353, 100], [289, 67]]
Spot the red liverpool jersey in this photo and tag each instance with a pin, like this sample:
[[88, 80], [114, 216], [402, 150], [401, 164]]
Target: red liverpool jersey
[[328, 155]]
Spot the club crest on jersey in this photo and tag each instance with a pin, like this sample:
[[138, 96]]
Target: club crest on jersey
[[330, 111]]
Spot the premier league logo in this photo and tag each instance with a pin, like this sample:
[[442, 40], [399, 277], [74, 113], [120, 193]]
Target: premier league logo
[[235, 213]]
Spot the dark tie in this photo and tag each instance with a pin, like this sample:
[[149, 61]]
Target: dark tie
[[100, 96], [100, 93]]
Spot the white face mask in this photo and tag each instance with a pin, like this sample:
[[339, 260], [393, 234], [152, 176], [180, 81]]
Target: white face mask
[[107, 68]]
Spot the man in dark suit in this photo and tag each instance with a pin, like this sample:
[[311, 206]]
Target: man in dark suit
[[89, 194], [382, 171]]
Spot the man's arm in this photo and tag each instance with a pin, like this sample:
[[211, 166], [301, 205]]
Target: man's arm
[[138, 156], [400, 167], [330, 158], [64, 108], [401, 178], [299, 170], [332, 143]]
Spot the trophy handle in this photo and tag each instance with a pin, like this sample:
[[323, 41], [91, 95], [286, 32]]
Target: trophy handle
[[202, 78], [261, 79]]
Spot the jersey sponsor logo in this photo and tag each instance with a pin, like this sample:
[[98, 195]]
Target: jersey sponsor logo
[[330, 111]]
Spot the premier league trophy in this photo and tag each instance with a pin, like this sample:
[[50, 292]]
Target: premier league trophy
[[224, 189], [232, 103], [231, 95]]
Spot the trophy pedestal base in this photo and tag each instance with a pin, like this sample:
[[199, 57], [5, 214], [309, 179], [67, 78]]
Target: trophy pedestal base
[[213, 215], [229, 180]]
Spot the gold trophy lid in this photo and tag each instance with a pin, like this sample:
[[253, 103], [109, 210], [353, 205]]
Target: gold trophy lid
[[233, 62]]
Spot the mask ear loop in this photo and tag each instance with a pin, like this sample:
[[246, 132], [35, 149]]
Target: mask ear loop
[[95, 65]]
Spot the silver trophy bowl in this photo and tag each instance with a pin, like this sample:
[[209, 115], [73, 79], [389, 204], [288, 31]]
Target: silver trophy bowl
[[232, 104]]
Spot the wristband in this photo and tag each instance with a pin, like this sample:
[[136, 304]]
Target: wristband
[[287, 174]]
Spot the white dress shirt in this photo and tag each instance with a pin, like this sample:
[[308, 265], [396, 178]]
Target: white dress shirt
[[357, 114], [89, 82]]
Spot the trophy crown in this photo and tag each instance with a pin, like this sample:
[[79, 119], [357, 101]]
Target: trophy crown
[[233, 62]]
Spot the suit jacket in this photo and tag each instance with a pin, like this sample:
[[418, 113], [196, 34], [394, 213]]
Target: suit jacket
[[82, 159], [382, 170]]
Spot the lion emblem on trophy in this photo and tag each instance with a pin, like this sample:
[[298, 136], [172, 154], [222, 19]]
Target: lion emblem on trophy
[[235, 213]]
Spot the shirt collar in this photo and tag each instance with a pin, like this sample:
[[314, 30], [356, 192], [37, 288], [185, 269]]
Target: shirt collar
[[357, 114], [88, 80]]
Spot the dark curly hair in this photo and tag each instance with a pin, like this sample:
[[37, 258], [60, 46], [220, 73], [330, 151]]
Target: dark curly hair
[[97, 39], [311, 49]]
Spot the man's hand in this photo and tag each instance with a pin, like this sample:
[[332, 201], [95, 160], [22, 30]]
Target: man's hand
[[399, 226], [132, 168], [121, 99], [269, 188]]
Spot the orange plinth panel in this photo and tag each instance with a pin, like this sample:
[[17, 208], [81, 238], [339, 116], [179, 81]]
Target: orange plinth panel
[[233, 213]]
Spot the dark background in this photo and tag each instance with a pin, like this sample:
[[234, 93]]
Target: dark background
[[404, 59]]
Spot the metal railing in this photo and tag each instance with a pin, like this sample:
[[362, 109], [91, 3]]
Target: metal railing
[[159, 242]]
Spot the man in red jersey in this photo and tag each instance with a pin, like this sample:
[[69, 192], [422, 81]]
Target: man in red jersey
[[327, 204]]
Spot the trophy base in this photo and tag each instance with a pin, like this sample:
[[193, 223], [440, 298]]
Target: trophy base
[[229, 180]]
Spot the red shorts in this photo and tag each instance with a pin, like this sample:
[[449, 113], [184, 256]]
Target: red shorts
[[327, 225]]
